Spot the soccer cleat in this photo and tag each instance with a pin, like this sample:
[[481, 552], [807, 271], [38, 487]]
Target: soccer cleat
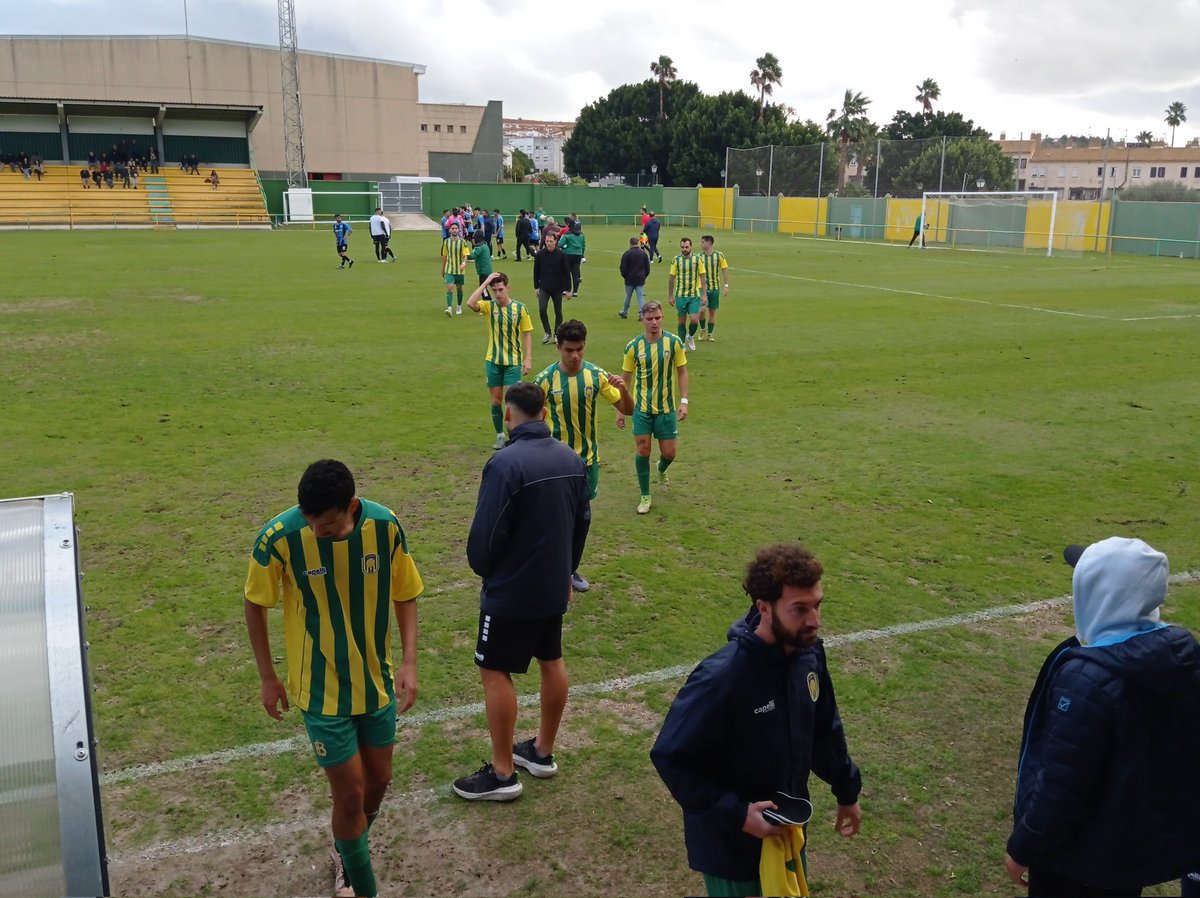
[[691, 343], [712, 338], [545, 339], [501, 441], [351, 263], [622, 314], [485, 785], [459, 312], [525, 755], [449, 312], [578, 583], [644, 505], [664, 478], [341, 885]]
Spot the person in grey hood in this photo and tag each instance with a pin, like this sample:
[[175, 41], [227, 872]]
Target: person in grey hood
[[1108, 784]]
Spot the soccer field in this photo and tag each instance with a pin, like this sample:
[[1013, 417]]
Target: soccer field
[[935, 425]]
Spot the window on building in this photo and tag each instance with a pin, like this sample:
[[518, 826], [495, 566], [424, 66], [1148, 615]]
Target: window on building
[[1137, 173], [1075, 171], [449, 129], [437, 128], [1112, 173], [1099, 171], [1183, 172], [462, 129], [1021, 164], [1159, 171], [424, 127], [1196, 173], [1062, 171]]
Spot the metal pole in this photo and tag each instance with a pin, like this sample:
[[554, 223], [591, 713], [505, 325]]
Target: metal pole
[[820, 180], [1103, 177], [942, 175], [878, 156], [725, 190], [770, 169]]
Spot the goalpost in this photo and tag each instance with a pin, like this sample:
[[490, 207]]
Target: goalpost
[[991, 219]]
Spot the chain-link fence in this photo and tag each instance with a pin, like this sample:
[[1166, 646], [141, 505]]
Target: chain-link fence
[[874, 168]]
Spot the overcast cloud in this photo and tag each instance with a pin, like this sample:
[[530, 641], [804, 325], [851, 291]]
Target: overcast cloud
[[1066, 66]]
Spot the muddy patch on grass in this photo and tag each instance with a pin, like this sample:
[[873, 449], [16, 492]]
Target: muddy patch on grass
[[42, 304]]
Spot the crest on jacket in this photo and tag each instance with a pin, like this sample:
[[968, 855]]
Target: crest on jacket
[[814, 685]]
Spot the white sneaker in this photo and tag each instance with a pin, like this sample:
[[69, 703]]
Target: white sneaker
[[691, 343], [449, 314], [459, 312]]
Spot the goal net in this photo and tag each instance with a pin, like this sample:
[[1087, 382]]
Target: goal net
[[1021, 219]]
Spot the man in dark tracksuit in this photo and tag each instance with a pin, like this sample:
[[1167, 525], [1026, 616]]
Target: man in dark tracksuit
[[552, 281], [650, 229], [753, 719], [528, 535], [1108, 786], [524, 229]]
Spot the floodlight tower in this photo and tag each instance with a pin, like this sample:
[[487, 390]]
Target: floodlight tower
[[293, 121]]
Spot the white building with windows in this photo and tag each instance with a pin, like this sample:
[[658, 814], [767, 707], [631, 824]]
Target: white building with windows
[[1094, 171], [539, 140]]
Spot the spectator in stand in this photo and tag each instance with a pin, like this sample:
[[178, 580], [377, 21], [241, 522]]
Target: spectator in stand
[[108, 175], [214, 179], [133, 176], [93, 162], [38, 168], [153, 161], [86, 177], [123, 174], [26, 166], [185, 164], [96, 176]]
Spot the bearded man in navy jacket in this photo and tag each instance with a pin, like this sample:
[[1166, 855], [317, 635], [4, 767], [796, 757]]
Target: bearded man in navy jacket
[[753, 719]]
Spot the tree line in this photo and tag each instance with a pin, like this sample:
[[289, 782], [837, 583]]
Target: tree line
[[669, 123]]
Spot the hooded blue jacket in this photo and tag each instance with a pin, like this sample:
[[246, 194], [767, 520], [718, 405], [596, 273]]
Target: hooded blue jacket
[[749, 721], [1108, 787]]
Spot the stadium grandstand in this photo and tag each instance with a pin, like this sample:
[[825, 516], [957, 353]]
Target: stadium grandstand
[[65, 100]]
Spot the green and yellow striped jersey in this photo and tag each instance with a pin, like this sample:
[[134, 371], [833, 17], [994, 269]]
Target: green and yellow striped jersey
[[653, 368], [455, 251], [571, 404], [505, 326], [713, 265], [687, 271], [337, 602]]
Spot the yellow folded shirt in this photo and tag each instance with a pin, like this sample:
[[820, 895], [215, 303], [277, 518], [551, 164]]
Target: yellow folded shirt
[[780, 868]]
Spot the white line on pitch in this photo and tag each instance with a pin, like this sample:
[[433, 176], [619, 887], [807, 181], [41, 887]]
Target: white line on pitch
[[603, 687], [979, 302]]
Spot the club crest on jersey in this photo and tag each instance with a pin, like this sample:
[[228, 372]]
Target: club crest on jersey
[[814, 685], [316, 572], [370, 564]]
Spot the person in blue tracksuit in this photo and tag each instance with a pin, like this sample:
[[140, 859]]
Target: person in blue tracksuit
[[1108, 784], [755, 718]]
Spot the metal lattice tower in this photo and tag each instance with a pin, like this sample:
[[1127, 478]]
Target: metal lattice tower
[[293, 120]]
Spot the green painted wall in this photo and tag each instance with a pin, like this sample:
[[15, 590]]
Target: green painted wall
[[1164, 229], [209, 150], [326, 201], [46, 144], [620, 204]]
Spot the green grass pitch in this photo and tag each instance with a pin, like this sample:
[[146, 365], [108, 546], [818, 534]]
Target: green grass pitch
[[935, 425]]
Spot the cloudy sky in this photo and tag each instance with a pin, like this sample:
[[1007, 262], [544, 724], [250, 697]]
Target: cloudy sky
[[1059, 66]]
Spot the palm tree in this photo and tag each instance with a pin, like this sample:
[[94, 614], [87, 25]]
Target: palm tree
[[766, 75], [927, 92], [665, 71], [850, 125], [1144, 137], [1176, 116]]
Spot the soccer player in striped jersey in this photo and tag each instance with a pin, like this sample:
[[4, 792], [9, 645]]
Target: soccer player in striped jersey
[[650, 366], [572, 387], [455, 251], [685, 287], [714, 266], [509, 355], [341, 233], [340, 565]]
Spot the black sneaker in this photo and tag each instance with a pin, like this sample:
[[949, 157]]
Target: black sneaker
[[351, 263], [485, 785], [525, 754]]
